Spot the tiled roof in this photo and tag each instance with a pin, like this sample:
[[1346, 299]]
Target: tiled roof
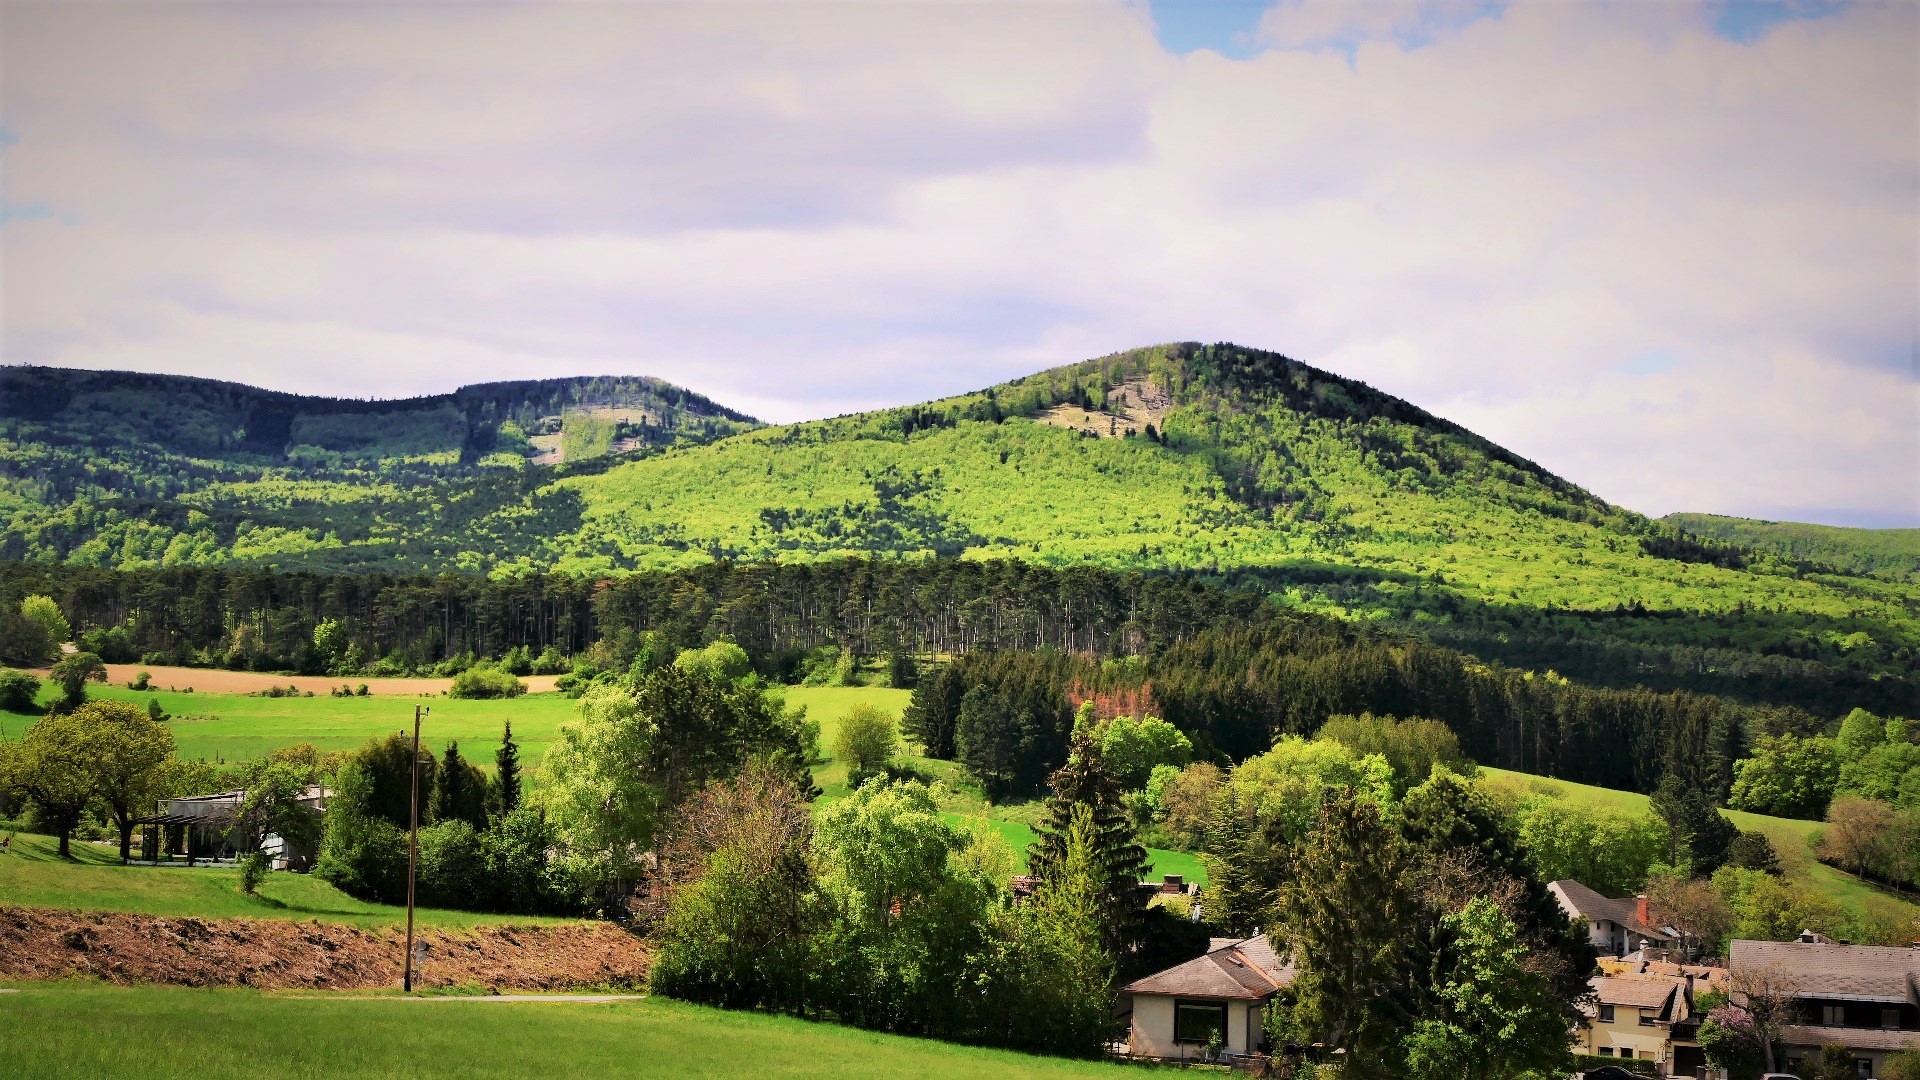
[[1851, 1038], [1636, 991], [1824, 969], [1245, 970], [1594, 908]]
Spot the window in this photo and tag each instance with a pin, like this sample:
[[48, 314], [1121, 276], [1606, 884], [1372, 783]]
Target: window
[[1606, 1051], [1646, 1018], [1626, 1051], [1196, 1021], [1833, 1015], [1863, 1067], [1890, 1018], [1606, 1014]]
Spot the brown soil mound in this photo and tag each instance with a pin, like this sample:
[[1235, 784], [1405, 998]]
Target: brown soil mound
[[122, 948]]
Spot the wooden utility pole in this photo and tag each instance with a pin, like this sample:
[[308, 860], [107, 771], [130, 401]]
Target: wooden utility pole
[[413, 845]]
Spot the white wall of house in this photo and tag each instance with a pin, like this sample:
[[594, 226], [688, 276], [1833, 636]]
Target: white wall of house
[[1152, 1031], [1152, 1034]]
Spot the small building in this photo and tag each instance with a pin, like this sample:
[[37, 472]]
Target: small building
[[1218, 998], [1862, 997], [204, 828], [1616, 927]]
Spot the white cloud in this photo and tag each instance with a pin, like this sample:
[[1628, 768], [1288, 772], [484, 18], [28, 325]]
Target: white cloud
[[803, 211]]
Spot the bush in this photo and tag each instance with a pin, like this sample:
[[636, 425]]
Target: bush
[[453, 871], [485, 682], [18, 691], [517, 661], [551, 662], [254, 871]]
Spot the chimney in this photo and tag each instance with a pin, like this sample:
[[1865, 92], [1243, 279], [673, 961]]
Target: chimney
[[1640, 910]]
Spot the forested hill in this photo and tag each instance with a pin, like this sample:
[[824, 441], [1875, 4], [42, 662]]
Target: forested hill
[[1889, 553], [1227, 463], [121, 469]]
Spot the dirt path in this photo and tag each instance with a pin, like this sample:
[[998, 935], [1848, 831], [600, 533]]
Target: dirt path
[[215, 681], [37, 943]]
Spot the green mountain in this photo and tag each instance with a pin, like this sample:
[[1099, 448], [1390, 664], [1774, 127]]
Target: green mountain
[[1223, 462], [1889, 553], [123, 469]]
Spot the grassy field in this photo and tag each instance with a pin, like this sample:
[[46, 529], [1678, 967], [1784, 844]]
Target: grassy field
[[239, 727], [1792, 838], [32, 875], [69, 1031]]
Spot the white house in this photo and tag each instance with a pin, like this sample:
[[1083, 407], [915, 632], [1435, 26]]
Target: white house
[[1179, 1012], [1616, 927]]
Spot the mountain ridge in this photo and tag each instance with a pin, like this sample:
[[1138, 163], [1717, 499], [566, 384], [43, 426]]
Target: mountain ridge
[[1228, 463]]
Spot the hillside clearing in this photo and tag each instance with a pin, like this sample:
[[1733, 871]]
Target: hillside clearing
[[1792, 839], [70, 1031]]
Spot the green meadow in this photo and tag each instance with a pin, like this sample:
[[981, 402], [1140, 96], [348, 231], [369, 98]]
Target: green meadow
[[240, 727], [1792, 838], [33, 875], [80, 1031]]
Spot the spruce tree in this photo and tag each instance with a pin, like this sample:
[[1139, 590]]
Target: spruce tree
[[1086, 781], [506, 780], [1699, 836], [931, 716], [461, 794]]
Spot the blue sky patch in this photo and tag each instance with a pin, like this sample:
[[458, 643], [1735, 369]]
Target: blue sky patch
[[1647, 362], [1225, 26], [1748, 21]]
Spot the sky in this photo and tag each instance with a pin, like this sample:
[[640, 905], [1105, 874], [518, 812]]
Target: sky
[[1670, 251]]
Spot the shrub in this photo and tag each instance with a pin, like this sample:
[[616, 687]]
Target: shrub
[[485, 682], [254, 871], [551, 662], [453, 871], [18, 691]]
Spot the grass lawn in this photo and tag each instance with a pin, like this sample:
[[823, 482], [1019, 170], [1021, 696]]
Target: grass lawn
[[32, 875], [1792, 838], [73, 1030], [239, 727]]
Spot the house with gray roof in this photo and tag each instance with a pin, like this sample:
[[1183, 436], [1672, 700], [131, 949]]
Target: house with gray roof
[[1616, 927], [1179, 1012], [1863, 997]]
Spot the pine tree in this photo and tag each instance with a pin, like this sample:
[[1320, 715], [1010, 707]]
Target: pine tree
[[461, 794], [1245, 867], [1354, 925], [1085, 781], [1700, 837], [931, 716], [506, 779]]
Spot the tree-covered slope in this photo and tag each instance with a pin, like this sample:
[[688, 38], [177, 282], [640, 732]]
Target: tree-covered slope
[[1247, 465], [1229, 463], [1889, 553], [118, 468]]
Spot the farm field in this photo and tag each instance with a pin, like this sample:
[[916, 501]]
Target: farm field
[[1792, 838], [69, 1031], [32, 875]]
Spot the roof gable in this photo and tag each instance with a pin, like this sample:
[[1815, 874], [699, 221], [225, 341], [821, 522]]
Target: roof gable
[[1243, 970]]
